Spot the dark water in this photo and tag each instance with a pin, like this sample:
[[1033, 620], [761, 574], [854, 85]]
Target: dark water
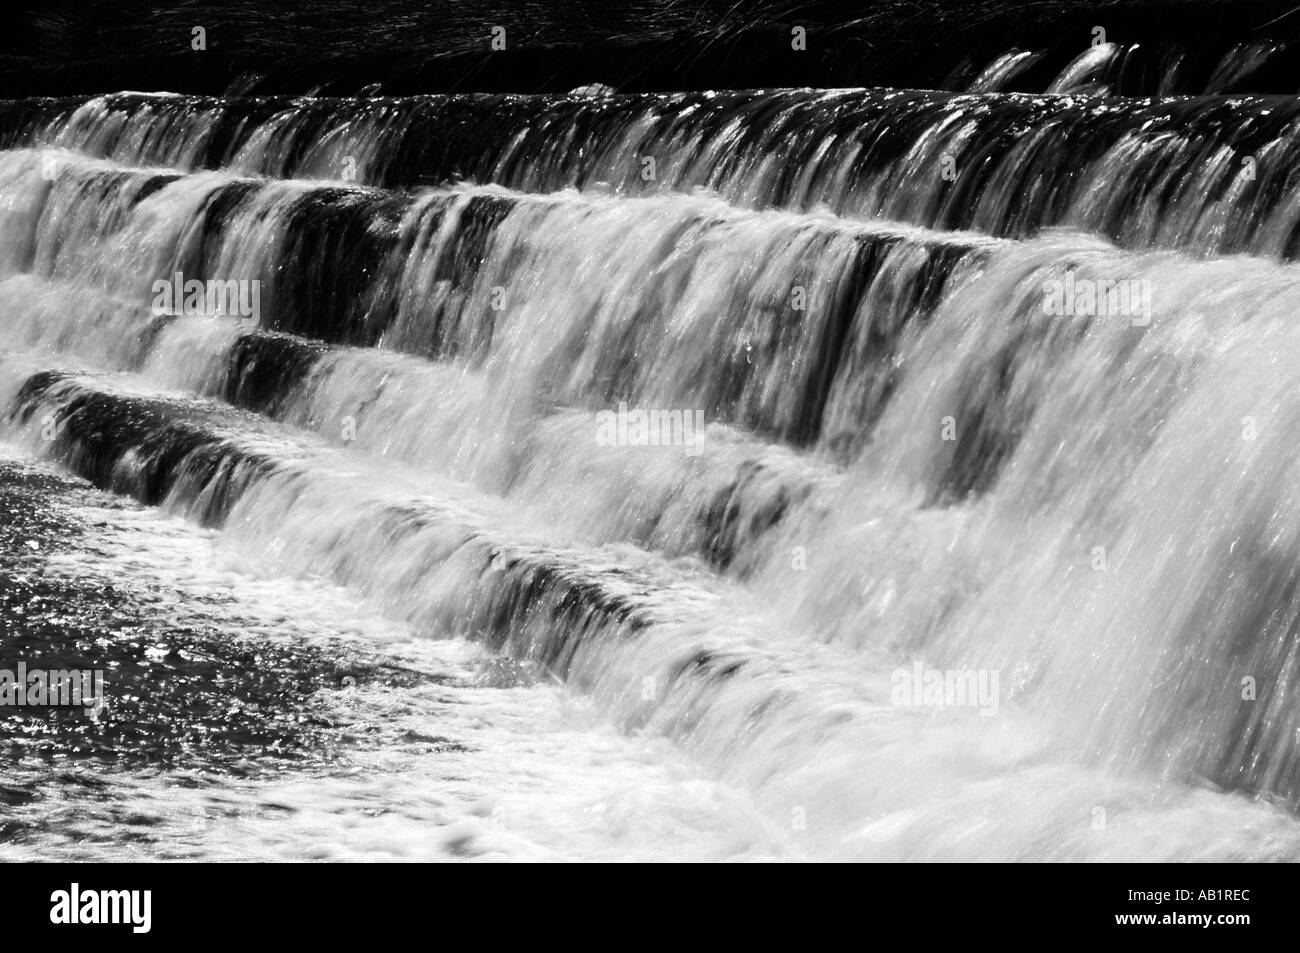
[[403, 47]]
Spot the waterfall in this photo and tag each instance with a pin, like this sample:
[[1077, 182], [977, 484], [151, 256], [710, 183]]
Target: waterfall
[[737, 414], [1202, 174]]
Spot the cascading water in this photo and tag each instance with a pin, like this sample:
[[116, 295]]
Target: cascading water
[[479, 315]]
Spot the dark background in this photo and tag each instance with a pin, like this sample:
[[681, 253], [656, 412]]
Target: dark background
[[348, 46]]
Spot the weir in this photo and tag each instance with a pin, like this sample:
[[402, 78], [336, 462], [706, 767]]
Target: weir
[[1208, 174], [913, 445]]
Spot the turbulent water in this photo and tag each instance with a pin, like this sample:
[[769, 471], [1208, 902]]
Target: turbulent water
[[415, 462]]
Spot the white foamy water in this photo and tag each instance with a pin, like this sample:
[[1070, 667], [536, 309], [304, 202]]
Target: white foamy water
[[457, 769], [910, 465]]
